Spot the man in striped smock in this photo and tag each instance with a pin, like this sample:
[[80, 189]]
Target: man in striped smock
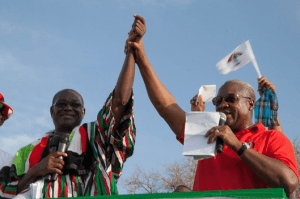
[[95, 152]]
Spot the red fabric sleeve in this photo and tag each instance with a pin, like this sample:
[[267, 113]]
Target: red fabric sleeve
[[281, 148], [181, 138]]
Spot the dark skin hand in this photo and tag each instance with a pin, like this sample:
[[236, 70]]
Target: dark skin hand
[[227, 136], [197, 105], [48, 165], [137, 31], [263, 82]]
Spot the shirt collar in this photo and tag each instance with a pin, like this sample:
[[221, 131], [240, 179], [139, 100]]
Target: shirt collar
[[254, 129]]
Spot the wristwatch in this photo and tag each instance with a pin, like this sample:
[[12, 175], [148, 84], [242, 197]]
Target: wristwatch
[[244, 147]]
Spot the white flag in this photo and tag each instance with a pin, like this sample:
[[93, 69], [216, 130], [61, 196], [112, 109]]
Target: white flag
[[238, 58]]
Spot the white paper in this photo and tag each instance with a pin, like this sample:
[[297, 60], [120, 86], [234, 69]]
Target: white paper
[[208, 92], [197, 125]]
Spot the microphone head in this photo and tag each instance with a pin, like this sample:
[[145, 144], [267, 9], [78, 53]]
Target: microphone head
[[222, 116], [64, 138], [54, 141]]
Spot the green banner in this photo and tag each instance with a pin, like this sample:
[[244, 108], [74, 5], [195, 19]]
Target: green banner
[[246, 193]]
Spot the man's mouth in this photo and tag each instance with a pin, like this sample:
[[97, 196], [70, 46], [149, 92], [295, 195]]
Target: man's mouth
[[67, 116]]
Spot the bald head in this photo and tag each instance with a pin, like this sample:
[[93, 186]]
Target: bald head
[[67, 90], [247, 88]]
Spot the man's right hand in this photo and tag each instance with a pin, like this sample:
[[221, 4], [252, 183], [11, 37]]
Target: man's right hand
[[50, 164], [197, 105]]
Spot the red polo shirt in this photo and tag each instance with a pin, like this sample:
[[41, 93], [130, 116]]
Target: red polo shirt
[[227, 171]]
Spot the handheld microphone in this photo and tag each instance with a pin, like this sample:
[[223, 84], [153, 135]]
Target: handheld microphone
[[220, 142], [62, 147], [54, 140]]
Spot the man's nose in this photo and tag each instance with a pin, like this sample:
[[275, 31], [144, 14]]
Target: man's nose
[[68, 107]]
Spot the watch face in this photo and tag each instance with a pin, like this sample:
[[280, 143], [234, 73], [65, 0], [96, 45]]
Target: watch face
[[251, 144], [246, 145]]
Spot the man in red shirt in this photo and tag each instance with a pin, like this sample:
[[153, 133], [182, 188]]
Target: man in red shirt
[[268, 162]]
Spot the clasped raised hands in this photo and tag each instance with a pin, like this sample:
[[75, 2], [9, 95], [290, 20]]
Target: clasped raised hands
[[137, 31]]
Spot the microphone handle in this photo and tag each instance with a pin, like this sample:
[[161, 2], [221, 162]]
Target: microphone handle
[[220, 142], [220, 145], [62, 148]]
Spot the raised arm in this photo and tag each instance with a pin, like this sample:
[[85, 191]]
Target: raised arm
[[263, 82], [161, 98], [124, 84]]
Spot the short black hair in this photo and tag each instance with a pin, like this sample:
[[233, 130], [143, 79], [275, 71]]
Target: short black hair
[[68, 90]]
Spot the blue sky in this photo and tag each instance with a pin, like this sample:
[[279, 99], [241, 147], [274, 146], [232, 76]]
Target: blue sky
[[46, 46]]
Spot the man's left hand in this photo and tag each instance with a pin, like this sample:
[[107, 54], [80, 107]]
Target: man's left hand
[[226, 134]]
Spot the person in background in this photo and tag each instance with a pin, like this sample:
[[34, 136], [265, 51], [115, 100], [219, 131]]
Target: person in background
[[182, 188], [5, 110]]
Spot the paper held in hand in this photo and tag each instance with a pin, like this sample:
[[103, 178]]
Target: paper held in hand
[[197, 125], [208, 92]]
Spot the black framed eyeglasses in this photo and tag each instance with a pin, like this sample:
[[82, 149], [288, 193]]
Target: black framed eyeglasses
[[64, 104], [229, 98]]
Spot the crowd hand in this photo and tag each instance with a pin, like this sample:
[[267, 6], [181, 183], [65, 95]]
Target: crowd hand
[[50, 164], [197, 105], [263, 82], [226, 134]]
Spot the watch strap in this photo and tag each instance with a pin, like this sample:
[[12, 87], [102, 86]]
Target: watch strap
[[244, 147]]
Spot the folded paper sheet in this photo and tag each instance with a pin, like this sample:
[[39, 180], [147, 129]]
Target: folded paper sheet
[[208, 92], [197, 125]]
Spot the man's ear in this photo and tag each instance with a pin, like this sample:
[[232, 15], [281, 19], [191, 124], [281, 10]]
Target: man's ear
[[251, 104], [83, 112]]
